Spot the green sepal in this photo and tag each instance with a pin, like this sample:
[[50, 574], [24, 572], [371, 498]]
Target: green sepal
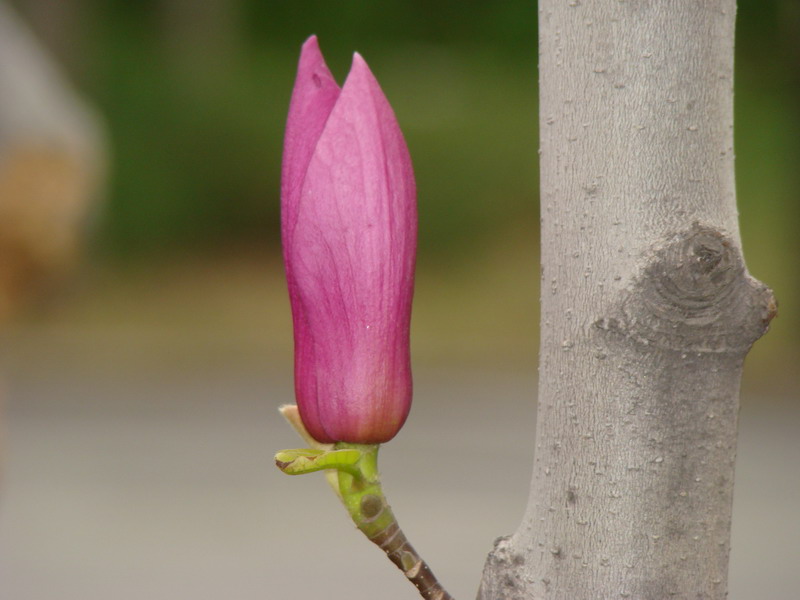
[[309, 460], [352, 472]]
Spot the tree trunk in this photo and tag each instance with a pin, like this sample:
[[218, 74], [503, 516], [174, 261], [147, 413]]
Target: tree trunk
[[647, 308]]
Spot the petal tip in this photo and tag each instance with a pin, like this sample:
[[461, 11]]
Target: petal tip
[[310, 53], [312, 71], [311, 43], [359, 64], [360, 74]]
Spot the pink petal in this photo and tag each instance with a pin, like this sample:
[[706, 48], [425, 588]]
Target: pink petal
[[314, 95], [352, 253]]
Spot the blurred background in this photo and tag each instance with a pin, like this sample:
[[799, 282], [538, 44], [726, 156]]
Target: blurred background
[[143, 360]]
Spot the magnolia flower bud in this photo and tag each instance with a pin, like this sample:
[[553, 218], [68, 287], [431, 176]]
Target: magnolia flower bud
[[348, 223]]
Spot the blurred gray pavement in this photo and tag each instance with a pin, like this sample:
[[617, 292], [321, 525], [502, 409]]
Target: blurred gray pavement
[[158, 484]]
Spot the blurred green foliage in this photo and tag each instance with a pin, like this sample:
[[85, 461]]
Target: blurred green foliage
[[196, 100], [195, 95]]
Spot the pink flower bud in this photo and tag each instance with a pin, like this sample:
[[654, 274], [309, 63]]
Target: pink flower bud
[[349, 228]]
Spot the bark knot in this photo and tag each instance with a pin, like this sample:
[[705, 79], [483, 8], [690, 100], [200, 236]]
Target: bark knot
[[694, 295], [502, 577]]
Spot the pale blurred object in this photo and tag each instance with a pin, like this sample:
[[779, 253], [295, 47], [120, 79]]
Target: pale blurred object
[[51, 166]]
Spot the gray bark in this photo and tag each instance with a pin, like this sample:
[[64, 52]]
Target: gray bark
[[647, 308]]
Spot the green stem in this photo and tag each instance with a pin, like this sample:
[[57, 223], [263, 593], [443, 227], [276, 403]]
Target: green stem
[[352, 472], [363, 497]]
